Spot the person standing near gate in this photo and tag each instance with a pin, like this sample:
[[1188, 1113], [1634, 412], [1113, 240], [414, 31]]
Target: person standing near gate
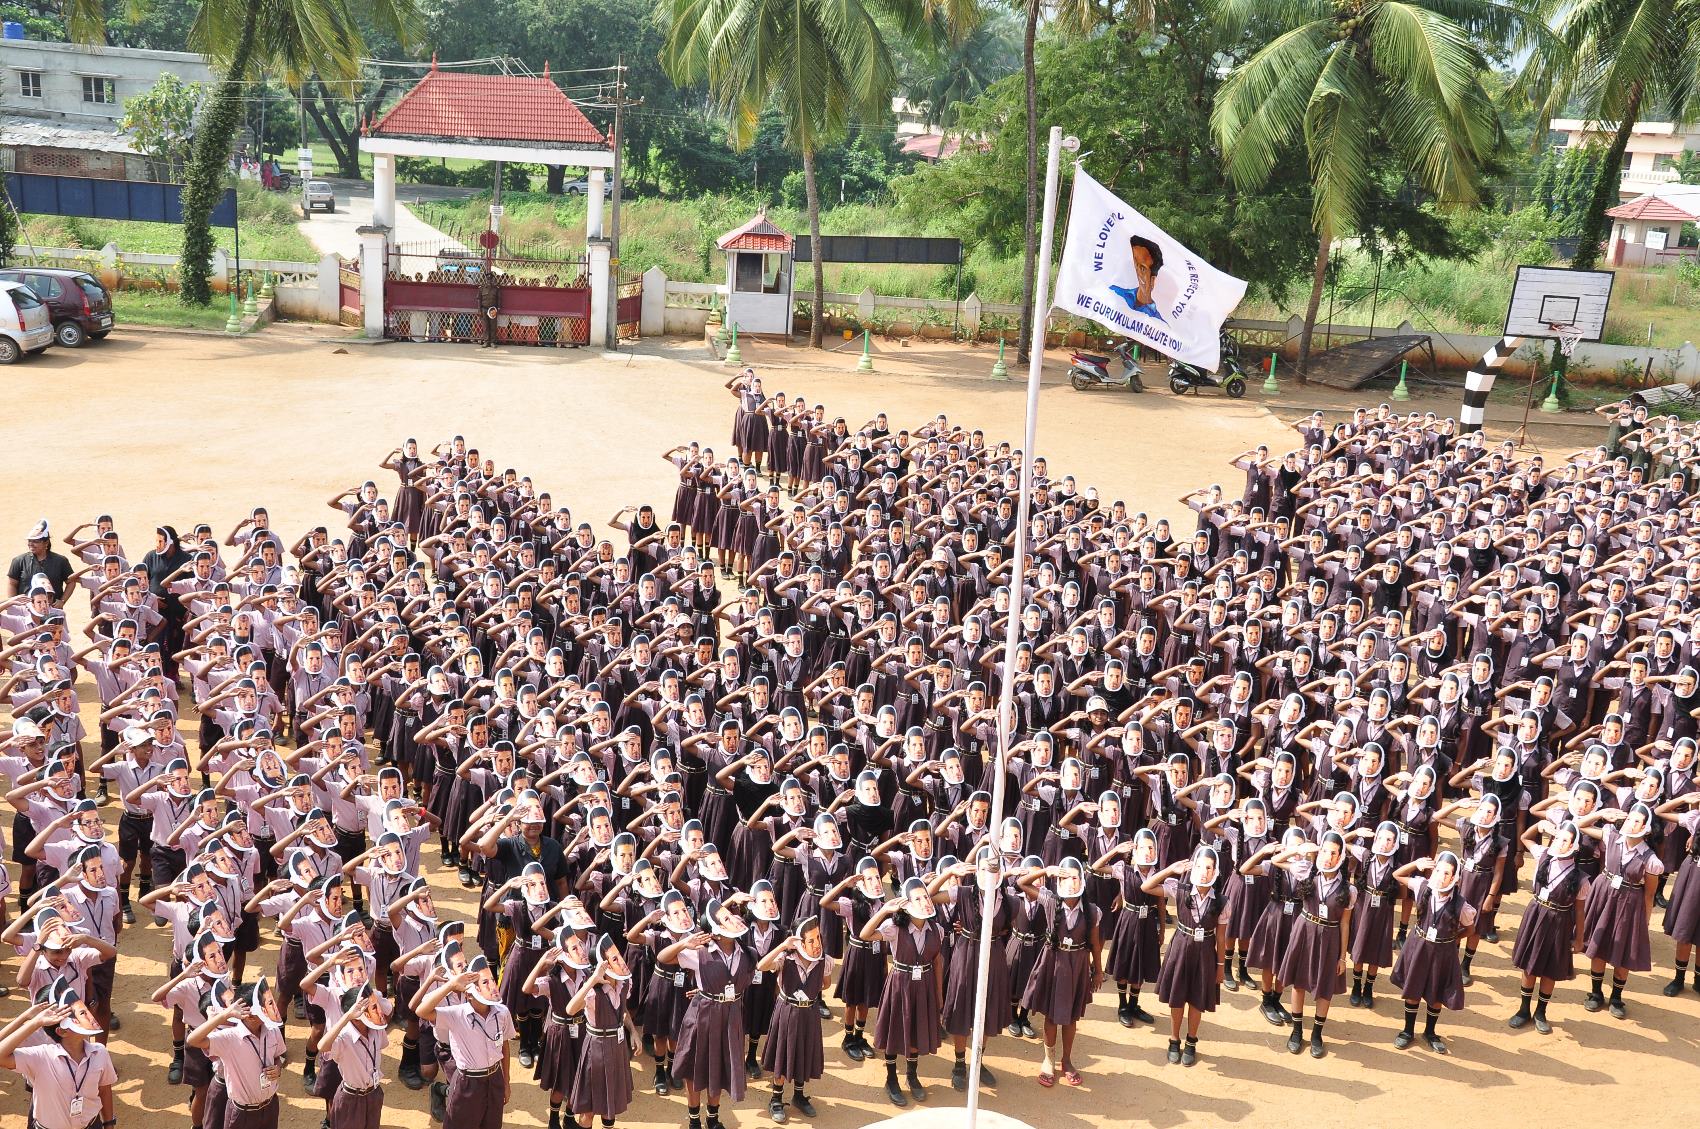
[[487, 299]]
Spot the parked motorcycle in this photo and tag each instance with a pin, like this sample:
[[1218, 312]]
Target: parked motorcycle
[[1184, 378], [1089, 370]]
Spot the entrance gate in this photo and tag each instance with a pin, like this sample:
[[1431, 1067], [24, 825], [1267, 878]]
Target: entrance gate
[[431, 293]]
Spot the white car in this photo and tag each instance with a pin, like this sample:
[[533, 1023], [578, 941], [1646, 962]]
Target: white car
[[318, 195], [26, 324]]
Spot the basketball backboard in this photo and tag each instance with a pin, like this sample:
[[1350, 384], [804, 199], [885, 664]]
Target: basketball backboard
[[1544, 296]]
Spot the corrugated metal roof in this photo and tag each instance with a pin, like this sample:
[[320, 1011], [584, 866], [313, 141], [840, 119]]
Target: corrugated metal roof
[[40, 134]]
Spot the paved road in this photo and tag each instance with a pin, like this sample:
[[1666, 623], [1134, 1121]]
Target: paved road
[[336, 231]]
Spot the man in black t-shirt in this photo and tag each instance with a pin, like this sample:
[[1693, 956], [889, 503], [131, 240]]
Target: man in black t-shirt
[[41, 560]]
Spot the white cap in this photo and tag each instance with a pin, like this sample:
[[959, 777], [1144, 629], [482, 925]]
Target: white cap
[[1096, 702]]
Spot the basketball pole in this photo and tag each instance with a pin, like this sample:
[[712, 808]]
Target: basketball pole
[[1012, 633]]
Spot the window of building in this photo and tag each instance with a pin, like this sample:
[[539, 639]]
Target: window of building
[[29, 84], [100, 91], [758, 274]]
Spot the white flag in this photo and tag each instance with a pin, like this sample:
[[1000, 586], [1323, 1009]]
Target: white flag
[[1126, 273]]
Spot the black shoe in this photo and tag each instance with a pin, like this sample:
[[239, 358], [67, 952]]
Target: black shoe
[[1675, 986], [439, 1100], [1617, 1008], [1541, 1023], [1027, 1029], [1246, 978], [1229, 982], [1593, 1001], [1124, 1015], [987, 1078], [1272, 1012], [299, 1008], [1369, 998], [1469, 978], [310, 1075], [852, 1048], [802, 1104], [894, 1094], [1519, 1021], [1140, 1015], [649, 1045], [113, 1024], [959, 1076], [1659, 900], [1189, 1053], [1356, 999], [174, 1074], [1403, 1039], [555, 1119], [466, 878], [752, 1067], [1436, 1044], [1296, 1041], [1281, 1009], [916, 1090], [825, 1012], [129, 914], [1317, 1050], [1174, 1050], [1491, 936], [410, 1077], [527, 1058], [776, 1110]]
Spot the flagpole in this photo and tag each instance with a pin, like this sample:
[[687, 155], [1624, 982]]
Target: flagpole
[[1018, 571]]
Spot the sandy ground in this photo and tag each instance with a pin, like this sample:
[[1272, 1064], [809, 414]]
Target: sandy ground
[[161, 428]]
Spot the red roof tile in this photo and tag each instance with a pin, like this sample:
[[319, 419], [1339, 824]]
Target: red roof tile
[[489, 107], [1651, 208], [757, 235]]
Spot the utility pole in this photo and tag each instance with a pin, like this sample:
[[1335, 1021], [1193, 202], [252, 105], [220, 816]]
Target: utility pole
[[614, 210]]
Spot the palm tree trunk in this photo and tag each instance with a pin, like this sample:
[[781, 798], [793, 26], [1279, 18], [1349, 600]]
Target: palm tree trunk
[[817, 325], [1595, 222], [1315, 303], [1029, 228], [204, 183]]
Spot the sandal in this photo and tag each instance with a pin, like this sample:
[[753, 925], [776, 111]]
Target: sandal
[[1047, 1080], [1072, 1077]]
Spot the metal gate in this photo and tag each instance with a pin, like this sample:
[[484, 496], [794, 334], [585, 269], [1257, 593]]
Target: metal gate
[[432, 294], [349, 301]]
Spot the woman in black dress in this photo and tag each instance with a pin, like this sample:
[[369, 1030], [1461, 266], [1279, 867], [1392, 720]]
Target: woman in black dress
[[1136, 941], [794, 1051], [1314, 964], [1546, 940], [1615, 925], [602, 1084], [908, 1022], [1071, 965], [1190, 981], [712, 1036], [1429, 971]]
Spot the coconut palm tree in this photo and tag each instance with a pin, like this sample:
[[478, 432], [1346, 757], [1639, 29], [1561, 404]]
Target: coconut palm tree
[[293, 38], [1357, 83], [822, 63], [1619, 57]]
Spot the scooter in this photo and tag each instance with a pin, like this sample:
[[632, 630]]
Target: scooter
[[1089, 370], [1231, 380]]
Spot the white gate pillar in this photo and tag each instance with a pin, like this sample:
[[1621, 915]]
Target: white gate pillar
[[601, 290], [593, 205], [374, 265]]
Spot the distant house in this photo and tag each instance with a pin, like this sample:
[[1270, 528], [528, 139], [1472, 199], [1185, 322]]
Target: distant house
[[1647, 163], [1650, 230], [60, 104]]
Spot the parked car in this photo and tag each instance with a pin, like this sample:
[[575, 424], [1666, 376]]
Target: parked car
[[575, 188], [25, 324], [78, 304], [318, 195]]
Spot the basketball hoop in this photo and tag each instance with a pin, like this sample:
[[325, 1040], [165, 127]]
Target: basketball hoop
[[1568, 334]]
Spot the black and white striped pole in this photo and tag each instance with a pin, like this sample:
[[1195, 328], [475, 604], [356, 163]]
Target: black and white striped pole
[[1479, 382]]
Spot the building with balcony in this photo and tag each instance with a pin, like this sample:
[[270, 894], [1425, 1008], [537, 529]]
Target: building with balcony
[[1649, 160]]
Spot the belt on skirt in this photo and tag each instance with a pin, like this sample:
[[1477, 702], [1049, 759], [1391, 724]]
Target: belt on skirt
[[254, 1108], [484, 1072], [1194, 934], [1315, 920], [1024, 938], [562, 1020], [604, 1032], [714, 998], [908, 969], [717, 790], [352, 1092], [1554, 906], [1070, 946]]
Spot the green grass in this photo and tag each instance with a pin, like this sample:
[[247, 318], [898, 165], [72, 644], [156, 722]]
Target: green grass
[[158, 307], [268, 231]]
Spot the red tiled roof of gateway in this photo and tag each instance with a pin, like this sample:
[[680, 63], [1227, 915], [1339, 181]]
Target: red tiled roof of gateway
[[1651, 208], [490, 107], [757, 235]]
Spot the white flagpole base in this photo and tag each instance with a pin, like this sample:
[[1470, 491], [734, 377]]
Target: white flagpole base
[[947, 1119]]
